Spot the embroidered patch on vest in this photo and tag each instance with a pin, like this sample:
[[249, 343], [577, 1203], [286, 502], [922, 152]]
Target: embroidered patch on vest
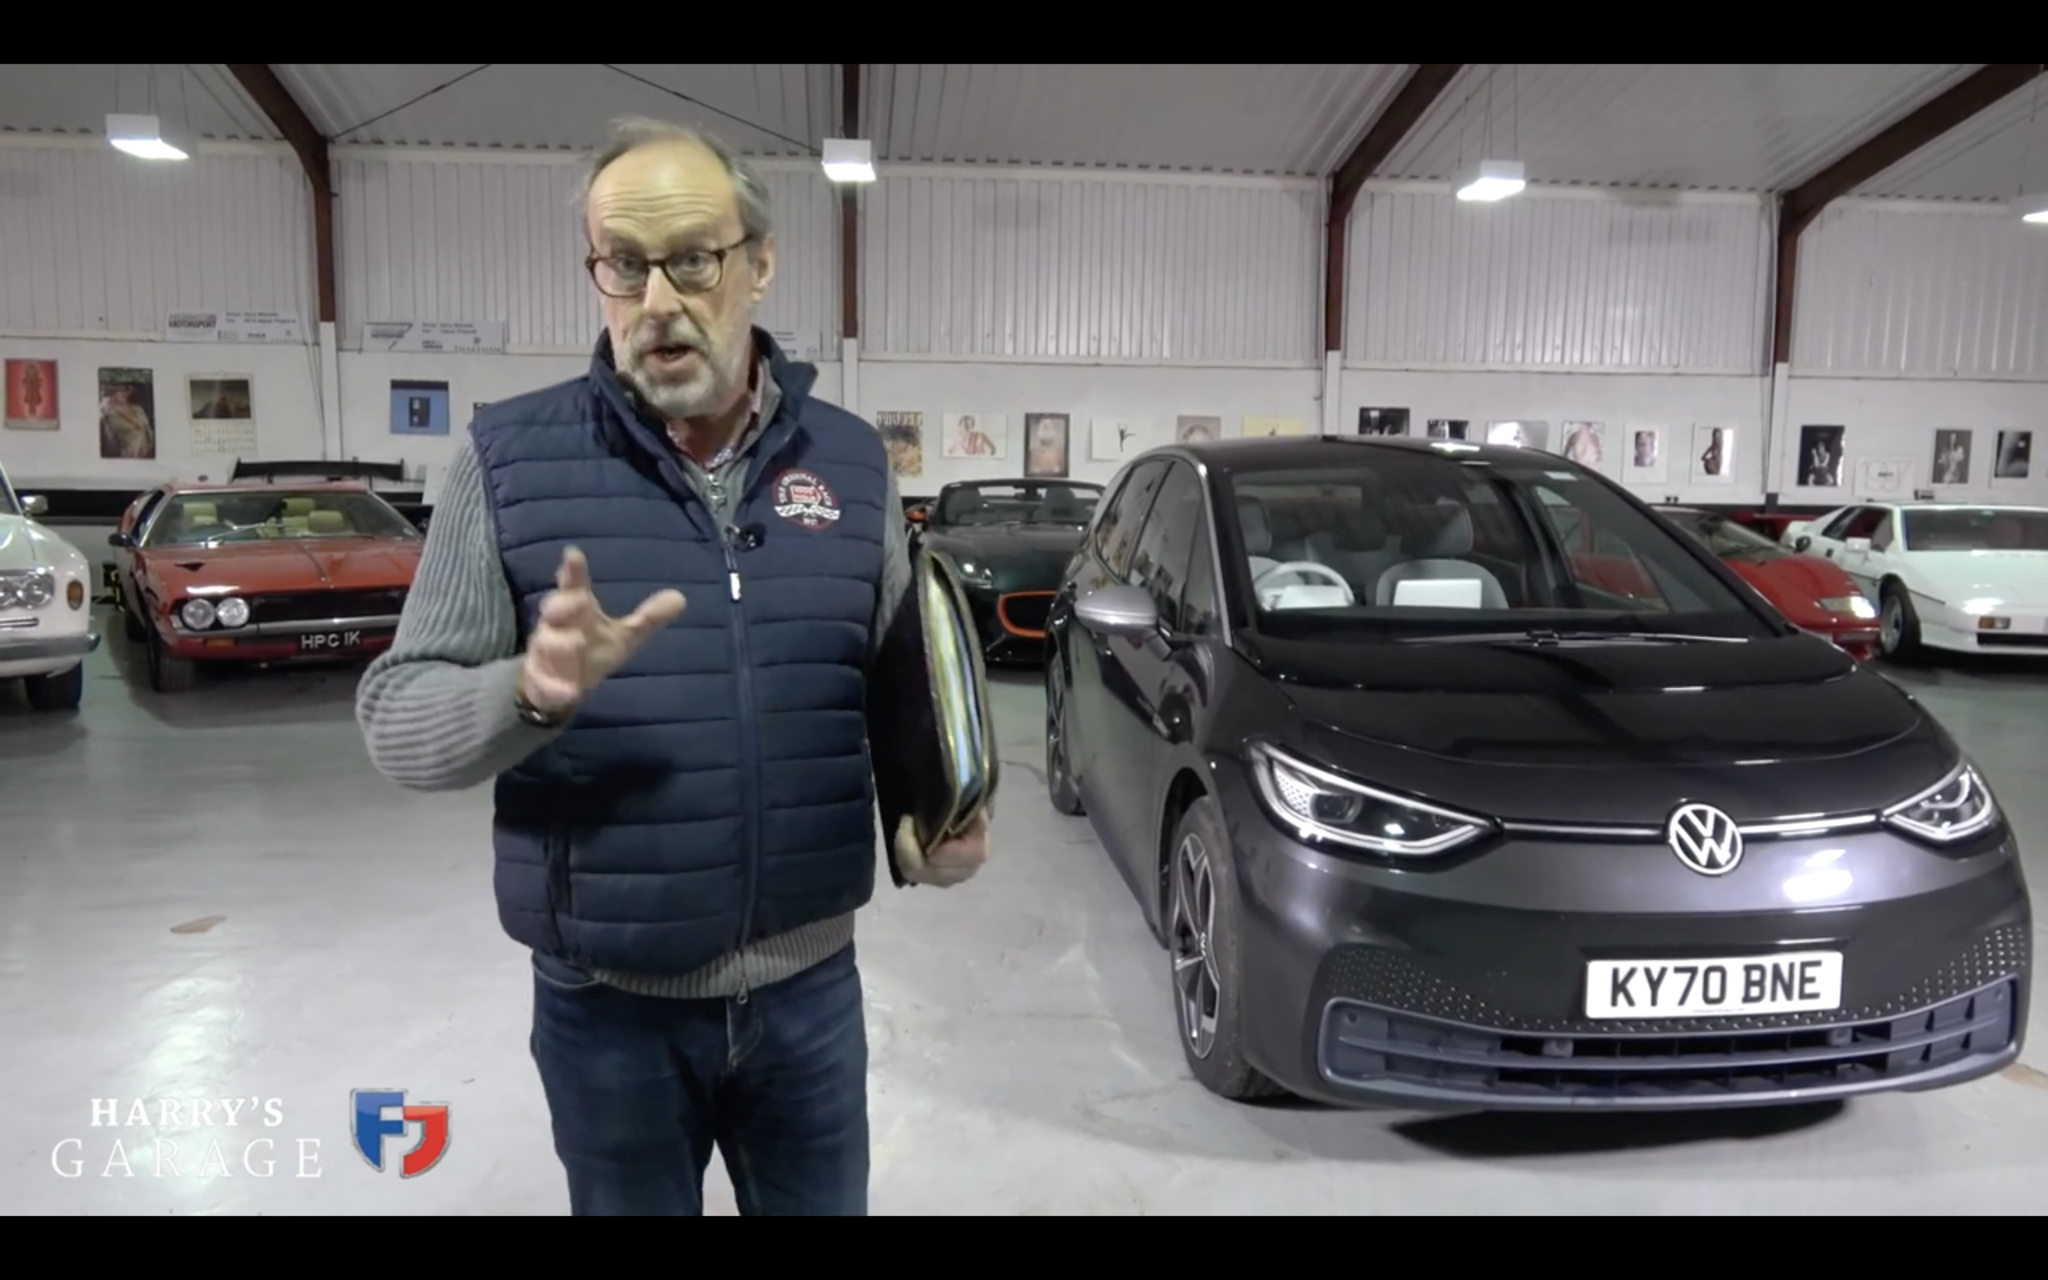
[[805, 498]]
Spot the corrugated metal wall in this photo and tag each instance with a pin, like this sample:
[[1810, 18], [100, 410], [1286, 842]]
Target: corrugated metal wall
[[470, 240], [1563, 282], [1085, 268], [95, 242], [1922, 291]]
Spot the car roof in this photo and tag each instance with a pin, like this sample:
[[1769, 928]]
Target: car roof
[[1270, 453], [1957, 506], [1021, 480]]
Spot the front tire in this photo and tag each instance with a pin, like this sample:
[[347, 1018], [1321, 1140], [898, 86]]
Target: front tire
[[1206, 953], [1898, 630], [60, 692], [1059, 772], [168, 674]]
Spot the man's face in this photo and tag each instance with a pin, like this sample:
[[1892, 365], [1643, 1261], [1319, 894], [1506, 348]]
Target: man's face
[[687, 354]]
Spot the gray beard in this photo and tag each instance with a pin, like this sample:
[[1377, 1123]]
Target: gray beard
[[702, 393]]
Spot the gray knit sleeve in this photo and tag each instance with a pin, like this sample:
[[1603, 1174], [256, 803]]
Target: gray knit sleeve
[[438, 709]]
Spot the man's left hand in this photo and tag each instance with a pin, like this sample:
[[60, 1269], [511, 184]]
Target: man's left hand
[[953, 862]]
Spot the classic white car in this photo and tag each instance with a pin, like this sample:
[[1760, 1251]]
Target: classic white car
[[1966, 577], [45, 606]]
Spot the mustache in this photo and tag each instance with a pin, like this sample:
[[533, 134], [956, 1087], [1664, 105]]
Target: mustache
[[672, 334]]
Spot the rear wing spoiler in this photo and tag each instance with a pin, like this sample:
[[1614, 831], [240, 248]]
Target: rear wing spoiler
[[337, 470]]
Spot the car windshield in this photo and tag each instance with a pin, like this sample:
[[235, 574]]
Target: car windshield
[[1422, 544], [1018, 502], [1724, 537], [1975, 529], [263, 515], [9, 504]]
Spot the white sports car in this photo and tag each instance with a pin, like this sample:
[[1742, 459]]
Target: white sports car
[[45, 606], [1967, 577]]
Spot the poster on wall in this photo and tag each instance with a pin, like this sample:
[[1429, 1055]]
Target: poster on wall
[[1254, 427], [31, 395], [1713, 455], [436, 337], [968, 435], [1522, 435], [419, 408], [1193, 428], [1820, 457], [1045, 445], [127, 413], [1383, 422], [223, 414], [1951, 456], [232, 326], [2015, 452], [1884, 479], [1645, 463], [903, 436], [1115, 439], [1586, 443], [1449, 428]]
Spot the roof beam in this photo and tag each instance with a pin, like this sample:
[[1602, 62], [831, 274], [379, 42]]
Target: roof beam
[[849, 209], [268, 92], [1798, 207], [1425, 84]]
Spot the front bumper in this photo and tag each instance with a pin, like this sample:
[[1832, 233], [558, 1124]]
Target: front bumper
[[2024, 631], [313, 639], [1465, 988]]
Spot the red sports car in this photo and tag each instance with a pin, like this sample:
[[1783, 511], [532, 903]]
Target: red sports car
[[1813, 594], [260, 574]]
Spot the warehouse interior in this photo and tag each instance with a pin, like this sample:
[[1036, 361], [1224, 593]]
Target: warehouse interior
[[213, 895]]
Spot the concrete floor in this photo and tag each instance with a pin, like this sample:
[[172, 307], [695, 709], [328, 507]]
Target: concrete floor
[[214, 896]]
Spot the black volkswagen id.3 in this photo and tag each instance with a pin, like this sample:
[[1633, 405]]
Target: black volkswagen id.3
[[1452, 777]]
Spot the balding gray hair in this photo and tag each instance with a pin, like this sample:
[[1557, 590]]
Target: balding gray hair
[[635, 132]]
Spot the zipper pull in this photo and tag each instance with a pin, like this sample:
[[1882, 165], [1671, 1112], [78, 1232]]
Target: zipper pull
[[732, 564]]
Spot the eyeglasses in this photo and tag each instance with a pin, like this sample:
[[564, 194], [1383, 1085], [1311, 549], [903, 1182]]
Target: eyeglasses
[[625, 275]]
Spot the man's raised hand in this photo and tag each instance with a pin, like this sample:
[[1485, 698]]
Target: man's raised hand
[[575, 645]]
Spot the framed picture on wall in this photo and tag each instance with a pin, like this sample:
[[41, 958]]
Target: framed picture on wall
[[1645, 463], [31, 395], [1449, 428], [1254, 427], [1820, 457], [971, 435], [1383, 422], [2015, 455], [223, 412], [419, 408], [1951, 456], [902, 435], [1190, 428], [127, 413], [1522, 435], [1586, 443], [1115, 439], [1045, 445], [1713, 454]]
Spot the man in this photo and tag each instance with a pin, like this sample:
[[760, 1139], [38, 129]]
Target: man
[[701, 561]]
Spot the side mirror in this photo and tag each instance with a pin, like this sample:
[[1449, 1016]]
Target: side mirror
[[35, 504], [1858, 544], [119, 539], [1801, 543], [918, 514], [1121, 610]]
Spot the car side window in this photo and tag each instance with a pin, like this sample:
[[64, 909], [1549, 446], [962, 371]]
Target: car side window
[[1881, 536], [1866, 522], [144, 509], [1167, 541], [1198, 605], [1838, 528], [1119, 540]]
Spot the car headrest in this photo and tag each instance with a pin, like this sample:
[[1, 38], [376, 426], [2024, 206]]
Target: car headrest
[[1358, 529], [1443, 531], [202, 513], [298, 507], [326, 522], [1253, 523]]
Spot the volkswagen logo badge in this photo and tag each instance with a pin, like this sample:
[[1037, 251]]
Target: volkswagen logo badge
[[1705, 839]]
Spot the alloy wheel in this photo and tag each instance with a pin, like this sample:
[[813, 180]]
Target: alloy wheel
[[1055, 731], [1892, 623], [1198, 989]]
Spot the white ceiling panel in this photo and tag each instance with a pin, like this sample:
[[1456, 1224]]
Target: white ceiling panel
[[1764, 127], [77, 98], [761, 109], [1267, 119], [1995, 156]]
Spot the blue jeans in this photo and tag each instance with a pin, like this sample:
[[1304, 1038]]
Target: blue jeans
[[641, 1088]]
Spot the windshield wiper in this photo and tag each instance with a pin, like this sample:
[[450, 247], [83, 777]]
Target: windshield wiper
[[1544, 638]]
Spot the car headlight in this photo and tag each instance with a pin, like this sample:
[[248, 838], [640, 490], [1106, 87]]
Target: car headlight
[[1855, 606], [27, 588], [1317, 804], [232, 612], [196, 614], [1956, 808]]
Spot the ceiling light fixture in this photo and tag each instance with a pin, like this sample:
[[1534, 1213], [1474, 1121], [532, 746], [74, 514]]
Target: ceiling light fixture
[[144, 137], [2033, 208], [1492, 180], [849, 160]]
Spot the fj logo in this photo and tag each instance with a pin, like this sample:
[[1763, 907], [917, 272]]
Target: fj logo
[[1705, 839]]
